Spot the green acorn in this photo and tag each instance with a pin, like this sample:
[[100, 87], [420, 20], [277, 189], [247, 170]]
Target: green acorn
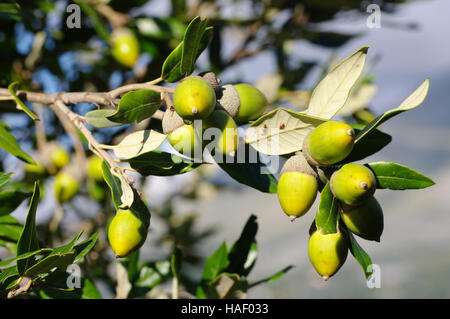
[[223, 130], [194, 98], [297, 187], [243, 102], [126, 232], [329, 143], [353, 184], [365, 220], [66, 186], [327, 252]]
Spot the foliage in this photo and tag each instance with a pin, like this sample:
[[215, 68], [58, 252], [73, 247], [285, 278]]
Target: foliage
[[127, 120]]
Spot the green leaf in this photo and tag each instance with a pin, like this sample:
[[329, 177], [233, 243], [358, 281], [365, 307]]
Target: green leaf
[[368, 145], [4, 179], [272, 278], [327, 212], [281, 131], [7, 276], [136, 106], [48, 263], [254, 174], [152, 275], [181, 61], [161, 164], [67, 247], [228, 286], [191, 44], [141, 208], [7, 262], [171, 69], [414, 100], [138, 143], [12, 88], [10, 200], [243, 253], [85, 247], [332, 92], [56, 288], [398, 177], [98, 118], [10, 229], [9, 143], [122, 193], [360, 255], [28, 239], [216, 263]]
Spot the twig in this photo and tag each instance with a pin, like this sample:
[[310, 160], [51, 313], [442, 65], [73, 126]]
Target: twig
[[94, 146], [98, 98], [73, 134]]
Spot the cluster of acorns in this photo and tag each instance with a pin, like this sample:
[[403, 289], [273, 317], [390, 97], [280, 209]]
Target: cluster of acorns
[[353, 185], [201, 97]]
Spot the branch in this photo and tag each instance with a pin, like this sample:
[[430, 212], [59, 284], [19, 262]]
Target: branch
[[98, 98], [73, 134], [94, 146]]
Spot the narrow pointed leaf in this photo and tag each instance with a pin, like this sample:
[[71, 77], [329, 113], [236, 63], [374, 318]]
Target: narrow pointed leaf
[[9, 143], [360, 255], [240, 251], [414, 100], [28, 239], [327, 212], [12, 88], [332, 92], [398, 177]]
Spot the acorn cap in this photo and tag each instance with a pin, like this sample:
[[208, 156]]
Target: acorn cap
[[298, 163], [229, 100], [211, 78], [171, 121]]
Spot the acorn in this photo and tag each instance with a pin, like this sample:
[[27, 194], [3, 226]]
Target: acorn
[[223, 130], [251, 104], [126, 232], [353, 184], [327, 252], [94, 168], [34, 171], [186, 140], [59, 157], [194, 98], [125, 47], [297, 187], [66, 186], [365, 220], [329, 143]]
